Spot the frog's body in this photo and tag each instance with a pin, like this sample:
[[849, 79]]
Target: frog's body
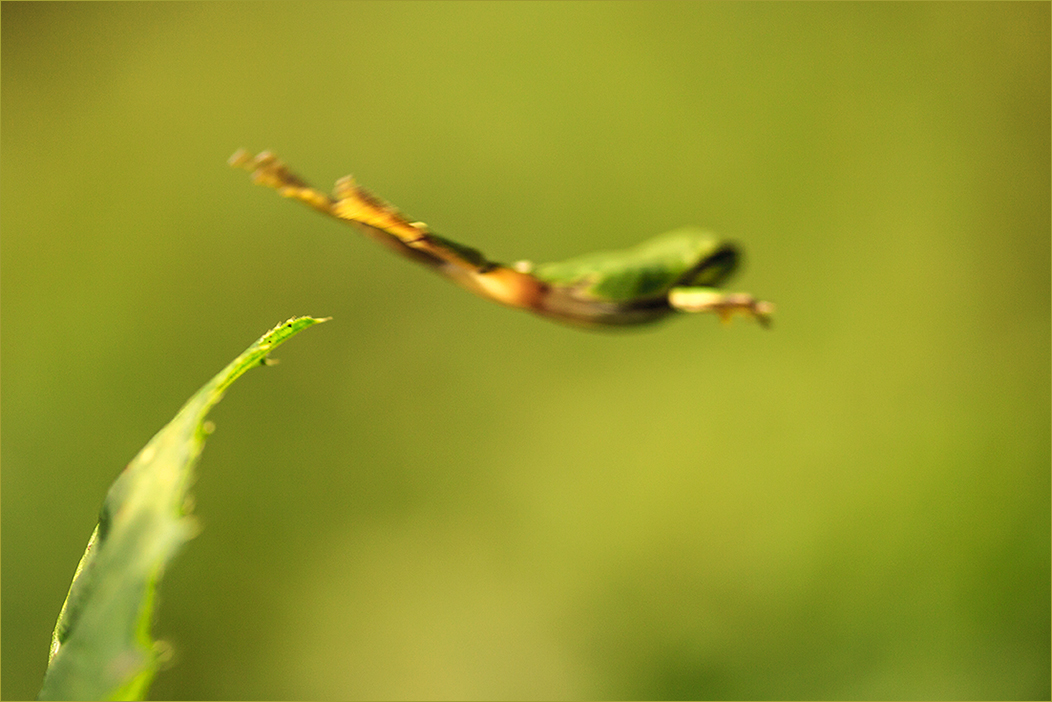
[[632, 286], [676, 272]]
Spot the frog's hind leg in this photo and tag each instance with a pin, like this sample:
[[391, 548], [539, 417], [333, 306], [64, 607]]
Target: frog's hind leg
[[382, 221], [267, 169], [356, 204]]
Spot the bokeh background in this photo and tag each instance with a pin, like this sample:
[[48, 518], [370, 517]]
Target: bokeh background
[[435, 497]]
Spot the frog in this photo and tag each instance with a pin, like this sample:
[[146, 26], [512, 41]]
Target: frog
[[681, 271]]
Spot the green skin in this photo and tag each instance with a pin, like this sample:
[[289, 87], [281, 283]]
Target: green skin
[[680, 271], [632, 286]]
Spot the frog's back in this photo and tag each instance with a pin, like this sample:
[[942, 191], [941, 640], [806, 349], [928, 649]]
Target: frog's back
[[687, 256]]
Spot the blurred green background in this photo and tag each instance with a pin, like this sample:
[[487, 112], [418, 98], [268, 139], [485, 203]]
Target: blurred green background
[[435, 497]]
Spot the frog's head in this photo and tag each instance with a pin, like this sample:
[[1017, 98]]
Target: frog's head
[[714, 268]]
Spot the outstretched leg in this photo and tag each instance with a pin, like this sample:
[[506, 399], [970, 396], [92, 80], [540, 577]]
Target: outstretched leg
[[267, 169], [722, 303], [352, 203]]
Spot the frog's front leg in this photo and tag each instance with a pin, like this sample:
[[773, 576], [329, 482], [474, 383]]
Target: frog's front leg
[[722, 303]]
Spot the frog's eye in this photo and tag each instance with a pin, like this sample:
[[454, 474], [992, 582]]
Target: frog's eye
[[713, 270]]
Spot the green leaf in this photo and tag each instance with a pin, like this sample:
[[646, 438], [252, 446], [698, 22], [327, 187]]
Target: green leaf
[[102, 647]]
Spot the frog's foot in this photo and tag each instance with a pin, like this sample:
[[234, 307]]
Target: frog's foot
[[723, 304], [267, 169]]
